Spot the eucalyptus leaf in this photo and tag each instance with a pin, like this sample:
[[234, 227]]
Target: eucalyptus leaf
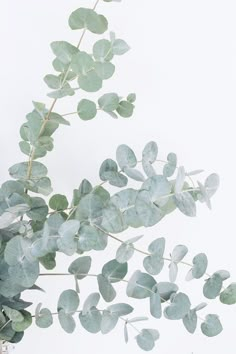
[[125, 109], [58, 202], [124, 253], [91, 301], [109, 102], [170, 166], [109, 321], [180, 306], [155, 305], [106, 289], [105, 70], [91, 320], [212, 286], [44, 318], [24, 324], [178, 253], [185, 203], [67, 322], [140, 285], [102, 50], [68, 301], [125, 157], [155, 262], [64, 51], [212, 326], [228, 296], [89, 19], [120, 309], [86, 109], [200, 263], [190, 321], [114, 271], [146, 339], [80, 267], [90, 82], [120, 47], [179, 183]]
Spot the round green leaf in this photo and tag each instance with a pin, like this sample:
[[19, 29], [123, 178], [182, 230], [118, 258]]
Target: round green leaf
[[58, 202], [125, 109], [228, 296], [106, 289], [24, 324], [109, 102], [90, 82], [190, 321], [212, 286], [68, 301], [114, 271], [180, 306], [212, 326], [101, 50], [80, 267], [89, 19], [44, 318], [86, 109], [125, 156]]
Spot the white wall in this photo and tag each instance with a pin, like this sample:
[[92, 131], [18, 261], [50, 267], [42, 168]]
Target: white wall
[[183, 68]]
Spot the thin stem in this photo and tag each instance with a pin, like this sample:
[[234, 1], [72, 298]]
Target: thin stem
[[66, 274], [7, 323], [143, 252], [68, 114]]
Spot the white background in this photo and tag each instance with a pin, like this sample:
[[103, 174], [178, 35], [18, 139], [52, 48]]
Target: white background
[[183, 68]]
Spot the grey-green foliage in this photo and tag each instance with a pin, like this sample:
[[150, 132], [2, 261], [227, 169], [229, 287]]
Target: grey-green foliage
[[33, 231]]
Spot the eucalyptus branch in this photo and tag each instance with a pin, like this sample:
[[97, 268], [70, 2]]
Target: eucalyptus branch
[[32, 155], [52, 227]]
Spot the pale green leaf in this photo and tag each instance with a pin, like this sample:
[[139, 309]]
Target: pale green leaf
[[102, 50], [180, 306], [140, 285], [68, 301], [212, 286], [53, 81], [66, 320], [124, 253], [58, 202], [82, 63], [109, 102], [80, 267], [155, 305], [109, 321], [125, 157], [23, 325], [114, 271], [104, 70], [86, 109], [89, 19], [90, 82], [120, 47], [125, 109], [228, 296], [64, 51], [212, 326], [185, 203], [44, 318], [106, 289], [190, 321]]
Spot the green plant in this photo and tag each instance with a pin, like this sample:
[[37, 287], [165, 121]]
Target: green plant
[[33, 230]]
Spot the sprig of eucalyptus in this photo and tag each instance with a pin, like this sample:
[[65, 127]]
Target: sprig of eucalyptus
[[33, 231]]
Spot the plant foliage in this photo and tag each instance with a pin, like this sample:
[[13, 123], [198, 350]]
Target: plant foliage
[[33, 231]]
